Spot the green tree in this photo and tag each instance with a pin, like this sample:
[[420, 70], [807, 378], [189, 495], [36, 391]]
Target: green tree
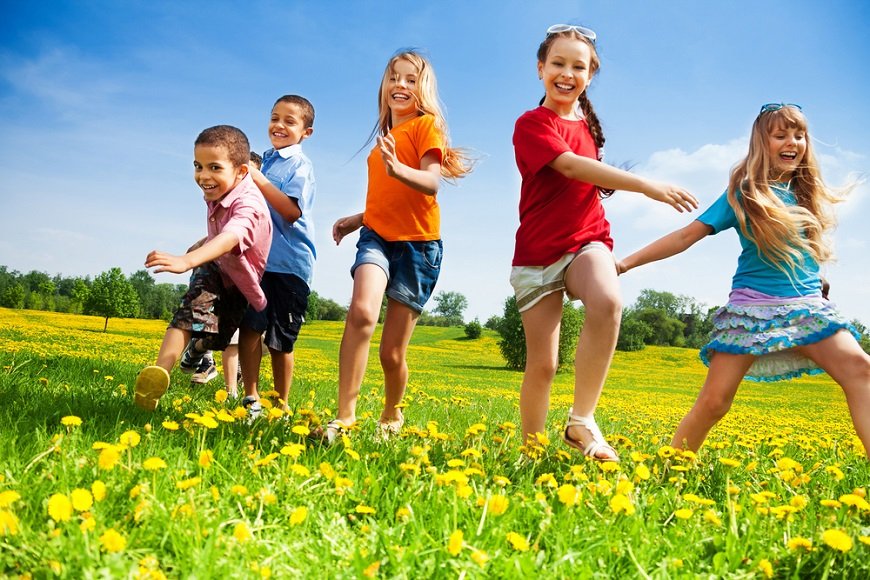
[[633, 333], [451, 305], [112, 295], [473, 329], [13, 296], [513, 339]]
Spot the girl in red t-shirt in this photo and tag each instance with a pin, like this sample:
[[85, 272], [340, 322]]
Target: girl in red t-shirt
[[399, 248], [563, 243]]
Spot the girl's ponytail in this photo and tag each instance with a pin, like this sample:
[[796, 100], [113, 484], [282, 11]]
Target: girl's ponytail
[[597, 133]]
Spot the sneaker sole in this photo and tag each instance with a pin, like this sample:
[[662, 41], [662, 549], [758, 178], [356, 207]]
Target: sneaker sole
[[151, 384]]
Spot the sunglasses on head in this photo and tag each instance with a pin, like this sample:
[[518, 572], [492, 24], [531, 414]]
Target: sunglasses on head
[[770, 107], [584, 32]]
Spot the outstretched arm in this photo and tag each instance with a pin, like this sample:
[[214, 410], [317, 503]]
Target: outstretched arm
[[589, 170], [665, 247], [214, 248], [346, 225], [425, 179]]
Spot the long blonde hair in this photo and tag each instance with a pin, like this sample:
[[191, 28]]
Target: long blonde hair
[[783, 232], [456, 163]]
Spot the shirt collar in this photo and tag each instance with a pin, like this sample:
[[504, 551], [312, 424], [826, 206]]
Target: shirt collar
[[285, 152], [232, 194]]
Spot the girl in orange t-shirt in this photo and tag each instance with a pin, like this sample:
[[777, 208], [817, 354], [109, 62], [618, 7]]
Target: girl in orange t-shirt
[[399, 249]]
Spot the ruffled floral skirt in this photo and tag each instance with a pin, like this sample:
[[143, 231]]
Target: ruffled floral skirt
[[769, 327]]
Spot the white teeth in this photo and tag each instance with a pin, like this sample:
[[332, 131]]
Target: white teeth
[[564, 87]]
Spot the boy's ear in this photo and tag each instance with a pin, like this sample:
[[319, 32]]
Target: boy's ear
[[307, 133]]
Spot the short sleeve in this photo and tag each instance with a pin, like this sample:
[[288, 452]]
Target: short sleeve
[[428, 137], [298, 184], [719, 216], [536, 143]]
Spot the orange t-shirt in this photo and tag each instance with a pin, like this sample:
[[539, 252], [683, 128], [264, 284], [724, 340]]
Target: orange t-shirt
[[395, 211]]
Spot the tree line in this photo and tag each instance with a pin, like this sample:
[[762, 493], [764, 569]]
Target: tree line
[[655, 318]]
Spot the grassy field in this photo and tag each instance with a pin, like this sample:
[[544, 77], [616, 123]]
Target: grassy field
[[92, 486]]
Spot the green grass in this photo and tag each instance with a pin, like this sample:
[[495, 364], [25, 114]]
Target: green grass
[[389, 509]]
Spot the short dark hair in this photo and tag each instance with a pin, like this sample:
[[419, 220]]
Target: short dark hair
[[256, 159], [302, 103], [230, 137]]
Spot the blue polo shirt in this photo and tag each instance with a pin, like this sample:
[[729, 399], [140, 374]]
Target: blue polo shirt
[[753, 270], [292, 249]]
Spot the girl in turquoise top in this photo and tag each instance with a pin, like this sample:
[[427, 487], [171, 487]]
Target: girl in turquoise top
[[776, 324]]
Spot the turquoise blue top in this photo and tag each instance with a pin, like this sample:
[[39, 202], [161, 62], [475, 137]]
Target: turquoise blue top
[[292, 249], [753, 270]]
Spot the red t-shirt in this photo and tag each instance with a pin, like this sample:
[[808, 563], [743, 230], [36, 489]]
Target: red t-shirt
[[558, 215]]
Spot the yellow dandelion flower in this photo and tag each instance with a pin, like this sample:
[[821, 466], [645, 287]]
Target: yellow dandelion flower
[[608, 466], [798, 543], [351, 453], [188, 483], [298, 515], [112, 541], [454, 463], [215, 493], [300, 470], [109, 457], [82, 500], [666, 452], [170, 425], [799, 501], [729, 462], [835, 472], [480, 558], [153, 464], [98, 489], [372, 569], [71, 421], [403, 513], [130, 438], [475, 429], [620, 503], [837, 539], [135, 491], [266, 460], [568, 494], [641, 471], [8, 497], [464, 491], [88, 525], [274, 413], [9, 524], [220, 396], [684, 513], [327, 471], [239, 489], [364, 509], [518, 542], [546, 479], [242, 533], [864, 540], [471, 452], [206, 458], [501, 481], [831, 503], [542, 439], [59, 507], [766, 568], [410, 468], [497, 504], [454, 543], [712, 518], [856, 501], [294, 450]]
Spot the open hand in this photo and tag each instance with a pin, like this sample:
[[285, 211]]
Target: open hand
[[163, 262], [387, 145], [676, 197]]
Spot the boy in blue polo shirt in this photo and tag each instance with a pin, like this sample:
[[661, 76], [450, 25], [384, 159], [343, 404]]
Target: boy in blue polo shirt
[[287, 183]]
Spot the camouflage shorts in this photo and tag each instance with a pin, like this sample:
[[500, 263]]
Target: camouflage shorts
[[210, 310]]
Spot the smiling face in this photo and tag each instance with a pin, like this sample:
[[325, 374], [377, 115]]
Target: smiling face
[[566, 73], [786, 147], [287, 125], [213, 171], [401, 91]]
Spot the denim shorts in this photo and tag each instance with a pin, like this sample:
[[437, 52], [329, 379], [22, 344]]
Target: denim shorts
[[412, 268], [209, 310], [281, 320]]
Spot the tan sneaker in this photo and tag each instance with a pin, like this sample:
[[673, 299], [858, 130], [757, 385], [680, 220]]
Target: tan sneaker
[[151, 383]]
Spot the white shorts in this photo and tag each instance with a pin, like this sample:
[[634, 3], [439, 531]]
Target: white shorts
[[532, 283]]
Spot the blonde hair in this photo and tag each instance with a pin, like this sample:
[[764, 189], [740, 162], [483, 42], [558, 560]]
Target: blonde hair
[[456, 162], [780, 231]]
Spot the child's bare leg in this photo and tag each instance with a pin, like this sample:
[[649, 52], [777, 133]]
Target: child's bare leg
[[369, 283], [174, 342], [541, 325], [714, 400], [399, 324], [842, 358], [230, 363], [282, 370], [591, 277], [250, 355]]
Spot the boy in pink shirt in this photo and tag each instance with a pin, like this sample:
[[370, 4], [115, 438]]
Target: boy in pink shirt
[[229, 262]]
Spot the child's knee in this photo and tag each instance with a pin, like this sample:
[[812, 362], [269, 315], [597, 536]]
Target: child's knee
[[392, 358], [542, 370], [713, 406], [362, 318]]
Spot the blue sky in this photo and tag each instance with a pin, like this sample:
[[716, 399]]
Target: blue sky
[[100, 102]]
